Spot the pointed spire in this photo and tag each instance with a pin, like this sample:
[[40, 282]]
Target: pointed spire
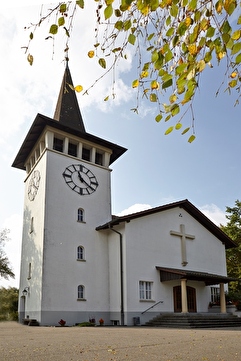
[[67, 110]]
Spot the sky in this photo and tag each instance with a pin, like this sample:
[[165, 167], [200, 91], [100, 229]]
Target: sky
[[156, 170]]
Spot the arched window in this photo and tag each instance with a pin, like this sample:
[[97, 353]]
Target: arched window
[[81, 292], [80, 215], [80, 253]]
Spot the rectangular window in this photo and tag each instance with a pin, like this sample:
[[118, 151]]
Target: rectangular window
[[58, 144], [31, 225], [72, 150], [86, 154], [98, 158], [215, 294], [29, 271], [145, 290]]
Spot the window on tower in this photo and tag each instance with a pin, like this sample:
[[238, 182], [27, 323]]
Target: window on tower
[[72, 149], [81, 292], [80, 253], [80, 215], [99, 158], [58, 144], [86, 154]]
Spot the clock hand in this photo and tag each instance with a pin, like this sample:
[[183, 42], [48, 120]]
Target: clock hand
[[82, 179]]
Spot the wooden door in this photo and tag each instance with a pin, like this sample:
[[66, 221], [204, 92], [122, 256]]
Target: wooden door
[[191, 299]]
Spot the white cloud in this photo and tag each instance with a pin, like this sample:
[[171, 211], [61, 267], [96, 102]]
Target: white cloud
[[134, 208], [215, 214]]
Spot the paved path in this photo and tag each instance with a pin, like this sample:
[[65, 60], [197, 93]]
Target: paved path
[[23, 343]]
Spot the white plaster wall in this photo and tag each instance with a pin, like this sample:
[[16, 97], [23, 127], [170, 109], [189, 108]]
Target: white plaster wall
[[32, 243], [63, 234], [149, 244]]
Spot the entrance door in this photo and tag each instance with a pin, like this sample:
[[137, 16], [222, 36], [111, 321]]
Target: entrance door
[[191, 299]]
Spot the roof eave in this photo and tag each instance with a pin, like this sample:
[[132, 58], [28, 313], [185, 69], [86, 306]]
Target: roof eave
[[41, 122]]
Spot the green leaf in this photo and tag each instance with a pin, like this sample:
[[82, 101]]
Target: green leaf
[[191, 138], [174, 11], [153, 97], [131, 39], [185, 130], [236, 48], [158, 118], [170, 31], [61, 21], [238, 59], [119, 25], [150, 36], [108, 12], [225, 28], [210, 32], [169, 130], [232, 83], [154, 56], [117, 13], [175, 109], [192, 5], [178, 126], [127, 25], [53, 29], [102, 63], [167, 84], [31, 36], [62, 8], [80, 3]]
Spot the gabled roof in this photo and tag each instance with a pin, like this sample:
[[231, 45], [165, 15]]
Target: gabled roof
[[187, 206], [67, 110], [41, 121]]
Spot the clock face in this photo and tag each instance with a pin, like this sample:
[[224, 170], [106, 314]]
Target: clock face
[[33, 185], [80, 179]]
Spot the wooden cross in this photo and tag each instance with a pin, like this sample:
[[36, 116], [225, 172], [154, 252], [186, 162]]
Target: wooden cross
[[183, 236]]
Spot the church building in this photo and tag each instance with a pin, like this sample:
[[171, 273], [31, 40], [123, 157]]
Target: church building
[[81, 263]]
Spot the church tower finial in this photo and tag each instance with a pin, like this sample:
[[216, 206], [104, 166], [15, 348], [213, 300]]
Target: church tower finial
[[67, 110]]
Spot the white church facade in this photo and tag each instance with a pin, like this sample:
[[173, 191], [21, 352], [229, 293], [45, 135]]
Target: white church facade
[[79, 262]]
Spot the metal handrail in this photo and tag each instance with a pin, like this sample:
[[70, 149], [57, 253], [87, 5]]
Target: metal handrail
[[151, 307]]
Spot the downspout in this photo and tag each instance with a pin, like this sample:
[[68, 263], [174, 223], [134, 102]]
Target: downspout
[[121, 275]]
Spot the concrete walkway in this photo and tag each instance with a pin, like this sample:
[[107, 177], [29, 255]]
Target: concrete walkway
[[22, 343]]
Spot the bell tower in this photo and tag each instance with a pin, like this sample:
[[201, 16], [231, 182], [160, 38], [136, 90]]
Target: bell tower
[[64, 261]]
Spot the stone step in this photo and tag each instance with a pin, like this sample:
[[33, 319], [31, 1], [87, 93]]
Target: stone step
[[194, 321]]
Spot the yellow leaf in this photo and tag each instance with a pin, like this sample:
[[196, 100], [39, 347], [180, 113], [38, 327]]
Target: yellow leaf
[[106, 98], [178, 126], [78, 88], [192, 49], [169, 130], [188, 21], [191, 138], [221, 55], [144, 74], [135, 83], [172, 98], [30, 59], [91, 54], [233, 75], [155, 84]]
